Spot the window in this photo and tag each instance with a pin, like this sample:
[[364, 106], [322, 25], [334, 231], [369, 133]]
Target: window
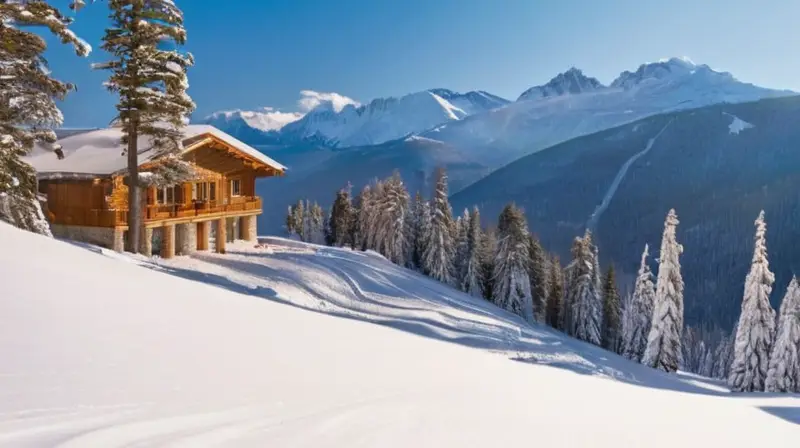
[[236, 187], [168, 195], [212, 191], [200, 191]]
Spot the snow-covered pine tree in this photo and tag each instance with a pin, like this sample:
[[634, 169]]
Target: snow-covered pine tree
[[584, 297], [363, 216], [151, 83], [299, 219], [663, 349], [555, 295], [419, 227], [756, 331], [374, 213], [341, 219], [471, 280], [723, 355], [537, 273], [487, 253], [28, 110], [462, 249], [612, 319], [512, 285], [641, 312], [437, 259], [290, 229], [783, 374], [316, 224], [391, 220]]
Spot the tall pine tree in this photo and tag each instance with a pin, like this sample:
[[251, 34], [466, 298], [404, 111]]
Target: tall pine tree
[[437, 259], [583, 301], [756, 331], [28, 110], [391, 220], [555, 295], [783, 374], [342, 219], [420, 230], [640, 312], [612, 319], [471, 279], [151, 83], [537, 273], [663, 349], [512, 286], [488, 250]]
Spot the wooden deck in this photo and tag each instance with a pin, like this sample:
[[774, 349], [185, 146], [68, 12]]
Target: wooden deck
[[156, 215]]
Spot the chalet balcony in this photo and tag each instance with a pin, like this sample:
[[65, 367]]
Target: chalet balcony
[[154, 214]]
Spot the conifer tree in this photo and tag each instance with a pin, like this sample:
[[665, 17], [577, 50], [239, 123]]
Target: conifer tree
[[420, 228], [462, 250], [537, 273], [316, 224], [612, 319], [663, 349], [783, 374], [756, 331], [28, 110], [471, 281], [151, 83], [641, 312], [391, 220], [512, 286], [299, 220], [439, 251], [583, 299], [363, 217], [341, 220], [555, 295], [487, 254]]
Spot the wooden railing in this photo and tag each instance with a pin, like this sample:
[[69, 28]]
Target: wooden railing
[[199, 208], [111, 218]]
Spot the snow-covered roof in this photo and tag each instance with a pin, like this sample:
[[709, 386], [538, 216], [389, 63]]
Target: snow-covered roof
[[100, 152]]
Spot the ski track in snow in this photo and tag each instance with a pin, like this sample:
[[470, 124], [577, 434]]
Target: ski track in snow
[[612, 190]]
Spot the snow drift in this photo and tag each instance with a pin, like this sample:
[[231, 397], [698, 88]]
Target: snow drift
[[104, 350]]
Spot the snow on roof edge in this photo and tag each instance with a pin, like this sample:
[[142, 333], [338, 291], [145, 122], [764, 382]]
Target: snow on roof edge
[[99, 152]]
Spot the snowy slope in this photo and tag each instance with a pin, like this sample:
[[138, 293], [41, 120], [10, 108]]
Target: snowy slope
[[572, 104], [111, 351]]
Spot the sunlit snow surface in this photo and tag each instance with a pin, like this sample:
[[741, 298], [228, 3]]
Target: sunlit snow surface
[[301, 346]]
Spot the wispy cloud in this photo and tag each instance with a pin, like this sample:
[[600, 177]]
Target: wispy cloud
[[310, 99], [271, 119]]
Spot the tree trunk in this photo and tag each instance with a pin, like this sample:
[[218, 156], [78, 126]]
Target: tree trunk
[[134, 202]]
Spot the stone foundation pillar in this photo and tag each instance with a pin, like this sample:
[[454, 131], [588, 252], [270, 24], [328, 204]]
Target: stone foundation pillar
[[146, 242], [168, 241], [186, 239], [222, 234], [248, 230], [203, 234], [119, 240]]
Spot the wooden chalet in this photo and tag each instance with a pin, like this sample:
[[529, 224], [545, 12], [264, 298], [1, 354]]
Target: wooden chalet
[[87, 197]]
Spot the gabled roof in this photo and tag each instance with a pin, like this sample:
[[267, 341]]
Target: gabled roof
[[100, 152]]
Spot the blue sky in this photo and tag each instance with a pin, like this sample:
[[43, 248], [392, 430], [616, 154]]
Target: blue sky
[[256, 53]]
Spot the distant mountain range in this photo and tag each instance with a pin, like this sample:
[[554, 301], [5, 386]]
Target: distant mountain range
[[494, 131]]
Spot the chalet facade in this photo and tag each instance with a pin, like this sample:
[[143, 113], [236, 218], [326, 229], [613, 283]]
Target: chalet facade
[[87, 196]]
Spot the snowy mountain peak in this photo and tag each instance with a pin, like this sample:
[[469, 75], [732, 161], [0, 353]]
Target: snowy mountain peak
[[471, 102], [572, 81], [266, 119], [666, 69]]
